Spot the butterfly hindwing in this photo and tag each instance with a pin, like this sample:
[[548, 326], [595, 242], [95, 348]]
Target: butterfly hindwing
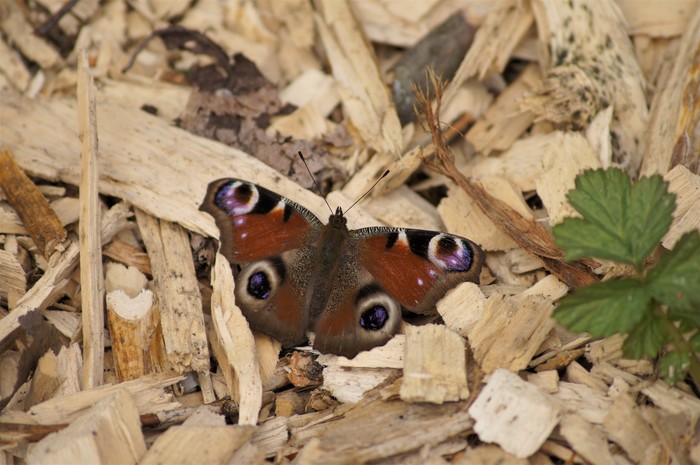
[[415, 266], [270, 239]]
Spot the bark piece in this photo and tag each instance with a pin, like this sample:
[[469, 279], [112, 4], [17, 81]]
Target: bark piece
[[137, 338], [38, 218]]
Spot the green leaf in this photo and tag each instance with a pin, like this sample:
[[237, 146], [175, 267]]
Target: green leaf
[[646, 337], [675, 280], [621, 221], [673, 366], [605, 308]]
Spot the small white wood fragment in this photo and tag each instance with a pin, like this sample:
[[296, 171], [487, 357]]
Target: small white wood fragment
[[390, 355], [494, 42], [68, 323], [108, 433], [348, 385], [673, 400], [587, 440], [435, 367], [514, 414]]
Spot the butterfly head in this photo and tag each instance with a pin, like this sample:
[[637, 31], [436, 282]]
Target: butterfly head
[[337, 220]]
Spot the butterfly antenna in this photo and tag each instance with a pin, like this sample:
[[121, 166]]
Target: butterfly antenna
[[313, 178], [368, 190]]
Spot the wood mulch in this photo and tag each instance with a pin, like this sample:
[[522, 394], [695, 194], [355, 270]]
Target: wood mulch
[[120, 341]]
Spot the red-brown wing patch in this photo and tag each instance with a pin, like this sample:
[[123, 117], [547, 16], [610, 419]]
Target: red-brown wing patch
[[405, 275], [255, 236]]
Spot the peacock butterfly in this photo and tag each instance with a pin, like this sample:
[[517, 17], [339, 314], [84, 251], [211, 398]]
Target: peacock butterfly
[[295, 274]]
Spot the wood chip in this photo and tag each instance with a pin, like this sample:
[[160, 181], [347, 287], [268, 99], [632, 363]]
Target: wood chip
[[179, 300], [91, 275], [435, 367], [31, 206], [514, 414], [109, 433]]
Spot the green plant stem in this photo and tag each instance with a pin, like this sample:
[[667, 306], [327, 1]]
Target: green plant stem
[[683, 346]]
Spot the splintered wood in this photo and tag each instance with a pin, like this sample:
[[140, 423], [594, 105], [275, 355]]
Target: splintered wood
[[121, 340]]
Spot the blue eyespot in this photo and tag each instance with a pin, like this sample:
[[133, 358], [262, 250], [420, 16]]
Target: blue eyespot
[[374, 318], [259, 286]]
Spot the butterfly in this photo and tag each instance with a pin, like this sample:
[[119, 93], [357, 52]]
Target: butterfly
[[295, 274]]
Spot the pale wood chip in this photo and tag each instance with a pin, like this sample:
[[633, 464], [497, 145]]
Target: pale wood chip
[[587, 74], [238, 343], [91, 274], [179, 300], [364, 95], [148, 393], [587, 440], [109, 433], [505, 121], [686, 216], [511, 331], [435, 366], [514, 414], [181, 445], [626, 426]]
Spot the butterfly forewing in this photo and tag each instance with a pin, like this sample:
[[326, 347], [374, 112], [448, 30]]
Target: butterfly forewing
[[415, 266]]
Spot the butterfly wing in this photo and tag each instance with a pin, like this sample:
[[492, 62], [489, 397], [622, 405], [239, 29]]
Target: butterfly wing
[[271, 239], [417, 267]]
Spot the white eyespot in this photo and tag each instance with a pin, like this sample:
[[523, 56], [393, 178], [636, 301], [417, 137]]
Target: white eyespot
[[455, 261], [420, 282], [233, 204], [244, 235]]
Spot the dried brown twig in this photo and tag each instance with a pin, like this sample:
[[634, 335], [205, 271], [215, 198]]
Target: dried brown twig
[[526, 233]]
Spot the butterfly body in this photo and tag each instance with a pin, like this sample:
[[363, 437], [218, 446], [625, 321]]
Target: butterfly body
[[347, 286]]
